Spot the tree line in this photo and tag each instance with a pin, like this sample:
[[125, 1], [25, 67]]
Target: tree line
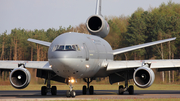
[[141, 27]]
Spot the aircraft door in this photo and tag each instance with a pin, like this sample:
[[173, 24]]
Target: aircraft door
[[86, 52]]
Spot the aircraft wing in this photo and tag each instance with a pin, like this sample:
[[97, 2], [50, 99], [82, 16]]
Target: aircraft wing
[[127, 49], [39, 42], [44, 65], [160, 64]]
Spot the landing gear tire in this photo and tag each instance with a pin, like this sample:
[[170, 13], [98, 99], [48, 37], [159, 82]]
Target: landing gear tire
[[84, 90], [68, 93], [131, 90], [43, 90], [72, 93], [53, 90], [121, 90], [91, 90]]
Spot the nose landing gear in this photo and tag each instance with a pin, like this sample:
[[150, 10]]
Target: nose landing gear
[[71, 92]]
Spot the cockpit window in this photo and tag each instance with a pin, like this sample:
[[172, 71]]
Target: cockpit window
[[69, 48], [74, 47], [77, 47], [66, 48], [59, 48]]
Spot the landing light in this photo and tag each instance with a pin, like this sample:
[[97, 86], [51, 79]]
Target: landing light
[[71, 80], [87, 66], [50, 66]]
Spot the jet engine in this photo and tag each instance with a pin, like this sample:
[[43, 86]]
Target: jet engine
[[96, 25], [20, 78], [143, 77]]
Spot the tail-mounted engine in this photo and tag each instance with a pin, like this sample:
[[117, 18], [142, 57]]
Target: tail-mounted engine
[[20, 78], [143, 77], [96, 25]]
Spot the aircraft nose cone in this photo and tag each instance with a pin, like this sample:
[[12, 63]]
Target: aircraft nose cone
[[66, 64]]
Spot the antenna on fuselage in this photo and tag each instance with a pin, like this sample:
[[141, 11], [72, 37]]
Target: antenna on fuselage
[[98, 8]]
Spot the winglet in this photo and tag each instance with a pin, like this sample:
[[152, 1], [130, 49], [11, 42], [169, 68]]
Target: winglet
[[98, 7]]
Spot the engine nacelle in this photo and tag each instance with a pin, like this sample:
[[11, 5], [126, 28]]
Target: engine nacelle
[[20, 78], [96, 25], [143, 77]]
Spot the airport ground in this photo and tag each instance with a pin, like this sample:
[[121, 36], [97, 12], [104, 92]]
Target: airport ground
[[103, 92], [96, 87]]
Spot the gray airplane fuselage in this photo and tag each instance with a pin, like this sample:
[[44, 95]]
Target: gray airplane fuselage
[[79, 55]]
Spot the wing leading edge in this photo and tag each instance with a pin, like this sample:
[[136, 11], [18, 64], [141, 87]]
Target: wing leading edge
[[160, 64], [43, 65], [39, 42], [127, 49]]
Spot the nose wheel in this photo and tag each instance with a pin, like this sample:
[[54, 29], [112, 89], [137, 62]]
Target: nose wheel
[[70, 93]]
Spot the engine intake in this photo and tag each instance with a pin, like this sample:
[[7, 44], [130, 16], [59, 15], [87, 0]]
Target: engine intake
[[96, 25], [20, 78], [143, 77]]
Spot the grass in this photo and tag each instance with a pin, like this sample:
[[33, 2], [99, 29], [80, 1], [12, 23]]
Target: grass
[[96, 87]]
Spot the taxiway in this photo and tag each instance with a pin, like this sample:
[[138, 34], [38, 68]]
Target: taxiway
[[99, 94]]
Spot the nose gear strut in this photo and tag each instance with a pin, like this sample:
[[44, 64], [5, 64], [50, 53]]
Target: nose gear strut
[[71, 92]]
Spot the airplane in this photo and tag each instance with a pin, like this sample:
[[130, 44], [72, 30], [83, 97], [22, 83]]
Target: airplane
[[73, 55]]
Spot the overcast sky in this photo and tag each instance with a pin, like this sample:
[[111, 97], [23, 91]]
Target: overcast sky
[[44, 14]]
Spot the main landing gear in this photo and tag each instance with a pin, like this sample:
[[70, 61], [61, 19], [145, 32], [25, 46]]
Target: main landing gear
[[89, 88], [122, 89], [46, 89]]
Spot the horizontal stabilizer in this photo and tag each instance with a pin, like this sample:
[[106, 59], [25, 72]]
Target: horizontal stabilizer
[[39, 42], [127, 49]]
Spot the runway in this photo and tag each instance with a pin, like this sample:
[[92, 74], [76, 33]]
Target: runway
[[99, 94]]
